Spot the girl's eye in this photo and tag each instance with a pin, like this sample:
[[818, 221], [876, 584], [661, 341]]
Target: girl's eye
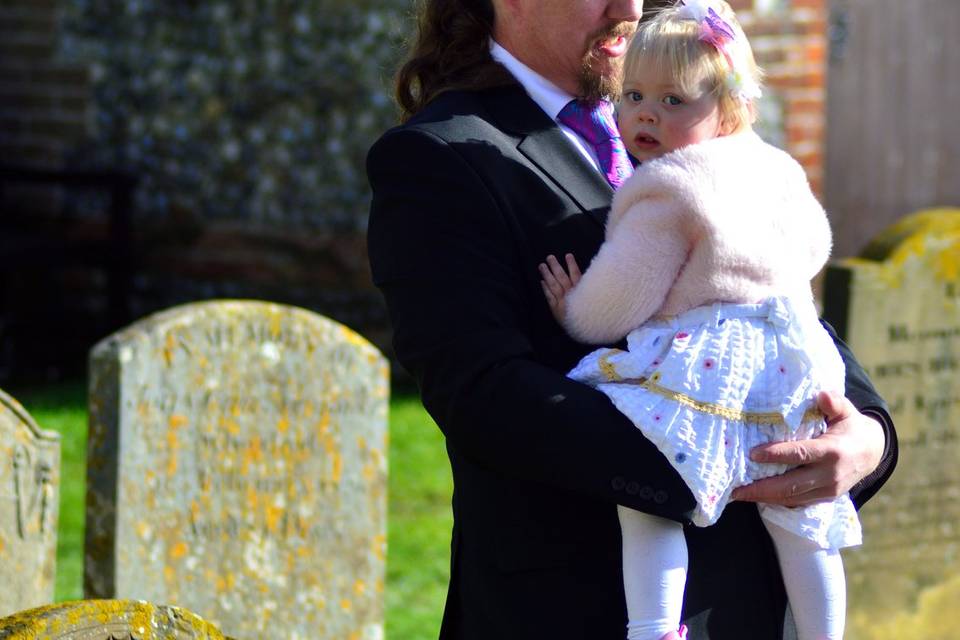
[[673, 101], [634, 96]]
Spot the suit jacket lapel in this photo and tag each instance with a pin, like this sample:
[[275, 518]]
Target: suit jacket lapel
[[546, 146]]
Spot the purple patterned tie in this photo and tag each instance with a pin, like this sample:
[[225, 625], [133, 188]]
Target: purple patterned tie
[[594, 122]]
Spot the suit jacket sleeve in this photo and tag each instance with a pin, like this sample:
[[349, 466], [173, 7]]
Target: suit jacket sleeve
[[449, 264], [865, 398]]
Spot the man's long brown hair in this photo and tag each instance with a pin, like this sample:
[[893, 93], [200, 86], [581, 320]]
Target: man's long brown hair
[[451, 51]]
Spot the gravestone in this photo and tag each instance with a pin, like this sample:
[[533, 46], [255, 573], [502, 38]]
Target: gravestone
[[237, 467], [899, 310], [107, 620], [29, 500]]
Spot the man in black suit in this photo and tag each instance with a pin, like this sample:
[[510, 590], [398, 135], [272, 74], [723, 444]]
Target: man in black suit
[[469, 195]]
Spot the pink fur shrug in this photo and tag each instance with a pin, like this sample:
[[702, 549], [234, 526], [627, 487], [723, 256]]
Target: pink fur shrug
[[730, 219]]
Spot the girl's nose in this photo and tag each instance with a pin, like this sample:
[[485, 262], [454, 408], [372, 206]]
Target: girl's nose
[[647, 114]]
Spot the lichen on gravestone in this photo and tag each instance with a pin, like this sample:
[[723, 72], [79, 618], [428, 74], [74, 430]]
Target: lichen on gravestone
[[29, 503], [107, 620], [238, 469], [899, 307]]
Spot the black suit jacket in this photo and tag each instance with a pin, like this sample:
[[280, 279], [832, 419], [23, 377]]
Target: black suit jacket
[[468, 197]]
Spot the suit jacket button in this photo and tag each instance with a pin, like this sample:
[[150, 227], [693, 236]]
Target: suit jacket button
[[633, 488], [646, 492], [618, 483], [660, 497]]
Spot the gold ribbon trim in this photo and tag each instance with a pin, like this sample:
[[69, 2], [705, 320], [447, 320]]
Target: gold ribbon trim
[[651, 384]]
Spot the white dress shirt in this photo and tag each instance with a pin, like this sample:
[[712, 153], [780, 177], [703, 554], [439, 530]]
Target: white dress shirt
[[547, 95]]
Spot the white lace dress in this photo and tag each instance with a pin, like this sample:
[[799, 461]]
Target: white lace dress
[[708, 385]]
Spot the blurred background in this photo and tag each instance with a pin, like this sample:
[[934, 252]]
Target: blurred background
[[156, 152], [153, 153]]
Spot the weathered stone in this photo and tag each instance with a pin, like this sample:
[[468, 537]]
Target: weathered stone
[[29, 500], [900, 313], [107, 620], [237, 467]]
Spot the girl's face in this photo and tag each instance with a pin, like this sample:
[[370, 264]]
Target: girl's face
[[656, 117]]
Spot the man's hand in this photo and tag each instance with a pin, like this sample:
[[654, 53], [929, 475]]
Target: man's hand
[[557, 283], [828, 467]]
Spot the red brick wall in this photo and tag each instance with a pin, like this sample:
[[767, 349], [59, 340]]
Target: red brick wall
[[789, 39], [44, 101]]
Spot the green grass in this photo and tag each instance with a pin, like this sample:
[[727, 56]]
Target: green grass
[[419, 517]]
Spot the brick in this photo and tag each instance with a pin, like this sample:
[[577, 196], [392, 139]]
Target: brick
[[13, 75], [74, 104], [813, 106], [46, 156], [817, 5], [25, 52], [771, 27], [802, 80], [29, 37], [62, 75], [32, 6], [27, 101], [11, 126], [56, 128], [29, 23], [770, 57]]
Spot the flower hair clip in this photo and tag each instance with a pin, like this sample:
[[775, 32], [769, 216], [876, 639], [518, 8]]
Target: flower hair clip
[[717, 32]]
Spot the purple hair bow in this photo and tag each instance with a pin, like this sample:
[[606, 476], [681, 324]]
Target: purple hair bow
[[715, 30]]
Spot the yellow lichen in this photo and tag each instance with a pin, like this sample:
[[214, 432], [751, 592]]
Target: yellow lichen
[[272, 515], [147, 621], [936, 616], [179, 550]]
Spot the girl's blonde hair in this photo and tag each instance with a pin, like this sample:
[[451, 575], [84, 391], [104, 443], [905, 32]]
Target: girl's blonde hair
[[671, 42]]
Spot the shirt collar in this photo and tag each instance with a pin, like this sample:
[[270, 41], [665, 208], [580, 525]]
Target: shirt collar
[[547, 95]]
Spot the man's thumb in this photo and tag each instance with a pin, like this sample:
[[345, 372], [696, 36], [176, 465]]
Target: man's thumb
[[833, 405]]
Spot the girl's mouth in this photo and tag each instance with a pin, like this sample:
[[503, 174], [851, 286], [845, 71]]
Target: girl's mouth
[[643, 140]]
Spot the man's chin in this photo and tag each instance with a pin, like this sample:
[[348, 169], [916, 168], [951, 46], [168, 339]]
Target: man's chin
[[601, 79]]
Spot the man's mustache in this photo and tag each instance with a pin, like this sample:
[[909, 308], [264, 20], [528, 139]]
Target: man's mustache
[[623, 29]]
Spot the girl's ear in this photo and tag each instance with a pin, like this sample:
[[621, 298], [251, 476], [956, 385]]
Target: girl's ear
[[730, 124]]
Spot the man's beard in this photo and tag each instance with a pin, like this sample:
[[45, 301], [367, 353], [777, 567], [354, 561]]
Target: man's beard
[[593, 84]]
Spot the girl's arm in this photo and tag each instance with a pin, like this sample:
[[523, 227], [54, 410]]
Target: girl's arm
[[628, 280]]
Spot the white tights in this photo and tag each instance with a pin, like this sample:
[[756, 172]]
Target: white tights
[[655, 572]]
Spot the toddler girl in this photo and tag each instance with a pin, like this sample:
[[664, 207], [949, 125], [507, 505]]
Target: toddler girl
[[710, 247]]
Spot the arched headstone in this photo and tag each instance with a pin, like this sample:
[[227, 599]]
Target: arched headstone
[[899, 309], [237, 467], [107, 620], [29, 502]]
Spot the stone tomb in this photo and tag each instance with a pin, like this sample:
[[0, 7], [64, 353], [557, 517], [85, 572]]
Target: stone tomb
[[899, 309], [107, 620], [237, 468], [29, 500]]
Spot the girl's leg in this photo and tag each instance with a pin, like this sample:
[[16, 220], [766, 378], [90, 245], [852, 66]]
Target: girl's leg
[[815, 585], [654, 573]]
